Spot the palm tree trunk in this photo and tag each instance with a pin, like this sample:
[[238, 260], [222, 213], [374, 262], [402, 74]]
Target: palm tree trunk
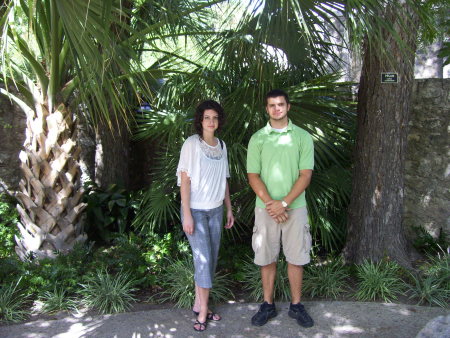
[[50, 193]]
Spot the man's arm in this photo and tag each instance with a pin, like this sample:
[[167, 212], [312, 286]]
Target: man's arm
[[259, 187], [260, 190], [275, 207]]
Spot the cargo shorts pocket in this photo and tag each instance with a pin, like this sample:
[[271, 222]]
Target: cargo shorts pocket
[[307, 238], [255, 246]]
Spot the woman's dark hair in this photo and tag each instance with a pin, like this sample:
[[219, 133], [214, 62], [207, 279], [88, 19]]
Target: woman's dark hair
[[200, 110]]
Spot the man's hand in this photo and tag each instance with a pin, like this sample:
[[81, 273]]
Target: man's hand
[[282, 218], [276, 210], [188, 225]]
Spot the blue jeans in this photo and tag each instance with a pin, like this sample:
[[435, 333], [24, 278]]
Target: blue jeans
[[205, 243]]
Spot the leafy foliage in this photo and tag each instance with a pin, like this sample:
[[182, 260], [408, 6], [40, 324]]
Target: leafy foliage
[[65, 271], [8, 228], [379, 281], [327, 279], [108, 293], [427, 244], [109, 212]]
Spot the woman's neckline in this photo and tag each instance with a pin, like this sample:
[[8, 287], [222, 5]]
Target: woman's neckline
[[214, 146]]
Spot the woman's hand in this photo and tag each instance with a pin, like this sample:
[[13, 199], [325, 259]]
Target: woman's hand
[[230, 219], [188, 224]]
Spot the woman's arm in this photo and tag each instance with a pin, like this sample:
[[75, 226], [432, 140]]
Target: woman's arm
[[185, 192], [230, 217]]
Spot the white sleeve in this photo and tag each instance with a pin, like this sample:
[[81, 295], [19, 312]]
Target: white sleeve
[[226, 160], [190, 162]]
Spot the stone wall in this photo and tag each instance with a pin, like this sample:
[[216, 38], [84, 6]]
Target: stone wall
[[427, 179]]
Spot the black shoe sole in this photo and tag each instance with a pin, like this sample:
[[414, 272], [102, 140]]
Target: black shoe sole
[[274, 314], [292, 314]]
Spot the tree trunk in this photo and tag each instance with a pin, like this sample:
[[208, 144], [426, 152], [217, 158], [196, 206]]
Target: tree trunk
[[112, 155], [50, 193], [375, 228]]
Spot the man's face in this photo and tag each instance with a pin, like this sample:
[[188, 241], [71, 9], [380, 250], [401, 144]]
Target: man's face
[[277, 108]]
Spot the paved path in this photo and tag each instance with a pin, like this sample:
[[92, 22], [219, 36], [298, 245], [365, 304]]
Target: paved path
[[332, 319]]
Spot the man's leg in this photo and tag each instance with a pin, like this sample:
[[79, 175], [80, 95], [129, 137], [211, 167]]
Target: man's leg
[[267, 309], [296, 245], [268, 273], [295, 274]]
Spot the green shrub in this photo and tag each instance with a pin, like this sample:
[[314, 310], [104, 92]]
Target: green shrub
[[379, 281], [8, 227], [10, 268], [327, 279], [179, 286], [252, 280], [428, 245], [57, 300], [65, 271], [108, 293], [13, 303], [109, 212]]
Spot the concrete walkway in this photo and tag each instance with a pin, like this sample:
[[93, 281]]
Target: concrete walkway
[[332, 319]]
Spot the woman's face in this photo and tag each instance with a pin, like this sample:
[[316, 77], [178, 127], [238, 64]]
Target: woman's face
[[210, 121]]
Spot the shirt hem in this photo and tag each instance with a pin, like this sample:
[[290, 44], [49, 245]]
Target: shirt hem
[[205, 206]]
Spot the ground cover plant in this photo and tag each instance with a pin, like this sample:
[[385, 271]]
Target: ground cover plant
[[108, 293], [13, 303], [178, 283], [380, 281], [431, 284], [327, 278]]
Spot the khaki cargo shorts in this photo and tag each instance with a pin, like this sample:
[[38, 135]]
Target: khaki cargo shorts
[[294, 234]]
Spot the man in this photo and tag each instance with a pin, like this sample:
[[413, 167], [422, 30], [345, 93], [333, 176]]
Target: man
[[280, 160]]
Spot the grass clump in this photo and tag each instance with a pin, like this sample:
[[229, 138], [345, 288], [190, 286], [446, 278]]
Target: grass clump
[[179, 286], [432, 284], [108, 293], [379, 281], [251, 278], [327, 279], [13, 303], [57, 300]]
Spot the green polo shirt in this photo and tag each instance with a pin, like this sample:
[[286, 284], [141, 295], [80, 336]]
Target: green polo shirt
[[278, 157]]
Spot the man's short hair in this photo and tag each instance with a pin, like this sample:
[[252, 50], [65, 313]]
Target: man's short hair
[[276, 93]]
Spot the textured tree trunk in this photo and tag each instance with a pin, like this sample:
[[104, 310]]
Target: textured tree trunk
[[112, 155], [50, 193], [375, 227]]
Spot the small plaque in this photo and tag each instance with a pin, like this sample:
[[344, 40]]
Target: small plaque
[[389, 77]]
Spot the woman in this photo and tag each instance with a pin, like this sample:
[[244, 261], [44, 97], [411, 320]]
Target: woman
[[202, 176]]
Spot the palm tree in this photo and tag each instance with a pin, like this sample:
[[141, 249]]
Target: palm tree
[[65, 57]]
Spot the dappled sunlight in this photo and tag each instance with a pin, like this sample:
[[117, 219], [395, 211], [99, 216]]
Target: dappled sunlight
[[332, 319]]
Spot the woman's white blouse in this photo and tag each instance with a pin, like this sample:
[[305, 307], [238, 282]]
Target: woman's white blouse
[[207, 167]]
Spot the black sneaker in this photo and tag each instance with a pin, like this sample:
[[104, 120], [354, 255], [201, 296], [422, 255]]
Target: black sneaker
[[298, 312], [266, 311]]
